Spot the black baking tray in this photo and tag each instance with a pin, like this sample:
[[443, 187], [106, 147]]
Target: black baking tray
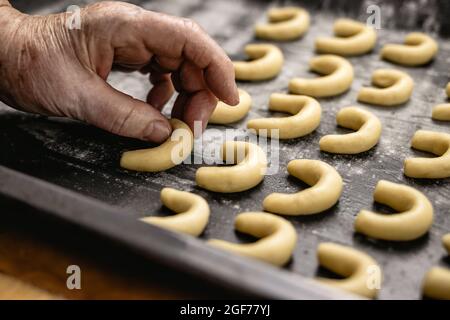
[[71, 171]]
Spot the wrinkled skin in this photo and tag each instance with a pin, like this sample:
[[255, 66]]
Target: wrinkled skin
[[47, 68]]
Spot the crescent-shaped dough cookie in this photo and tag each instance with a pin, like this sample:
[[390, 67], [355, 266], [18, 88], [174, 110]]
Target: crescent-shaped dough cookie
[[361, 271], [278, 238], [225, 114], [441, 112], [436, 284], [266, 64], [414, 219], [352, 38], [247, 173], [169, 154], [395, 87], [437, 143], [338, 77], [287, 23], [192, 212], [325, 190], [417, 50], [446, 242], [305, 119], [368, 132]]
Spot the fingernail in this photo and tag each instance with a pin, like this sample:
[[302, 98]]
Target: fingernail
[[198, 134], [234, 98], [198, 127], [160, 132]]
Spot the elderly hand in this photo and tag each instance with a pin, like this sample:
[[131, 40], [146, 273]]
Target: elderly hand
[[47, 68]]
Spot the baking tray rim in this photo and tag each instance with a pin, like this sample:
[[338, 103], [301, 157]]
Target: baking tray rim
[[180, 252]]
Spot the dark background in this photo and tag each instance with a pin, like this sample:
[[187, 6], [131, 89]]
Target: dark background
[[402, 13]]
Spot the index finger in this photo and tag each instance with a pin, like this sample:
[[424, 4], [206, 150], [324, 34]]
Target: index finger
[[177, 37]]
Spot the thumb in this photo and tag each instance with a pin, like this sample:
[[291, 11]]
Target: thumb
[[112, 110]]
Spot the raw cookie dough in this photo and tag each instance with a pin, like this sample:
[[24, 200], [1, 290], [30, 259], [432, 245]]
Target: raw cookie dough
[[437, 143], [441, 112], [368, 132], [338, 77], [326, 188], [352, 38], [287, 23], [417, 50], [225, 114], [436, 284], [247, 173], [192, 212], [278, 238], [396, 88], [306, 113], [414, 219], [169, 154], [363, 275], [266, 64]]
